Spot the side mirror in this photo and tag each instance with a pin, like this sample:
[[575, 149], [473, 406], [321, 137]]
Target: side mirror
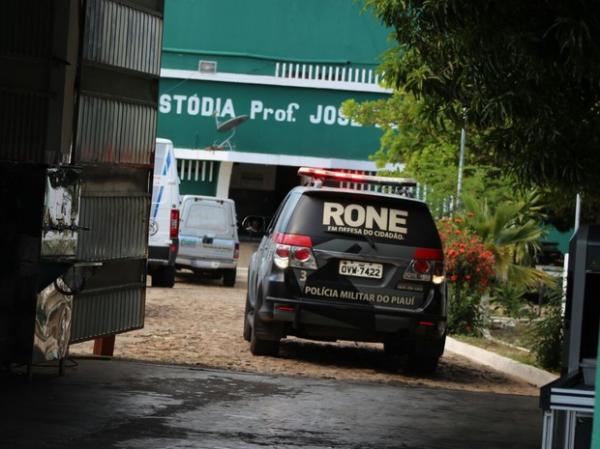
[[254, 224]]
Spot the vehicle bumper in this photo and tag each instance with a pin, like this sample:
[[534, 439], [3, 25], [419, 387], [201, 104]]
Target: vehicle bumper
[[311, 318], [203, 264], [161, 256]]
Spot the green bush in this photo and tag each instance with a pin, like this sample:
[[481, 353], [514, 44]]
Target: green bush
[[509, 298], [465, 314], [546, 337]]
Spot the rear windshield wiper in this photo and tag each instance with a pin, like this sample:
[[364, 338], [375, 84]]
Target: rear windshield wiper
[[367, 239]]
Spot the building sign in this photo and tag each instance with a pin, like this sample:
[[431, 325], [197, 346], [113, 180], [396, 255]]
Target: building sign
[[282, 120]]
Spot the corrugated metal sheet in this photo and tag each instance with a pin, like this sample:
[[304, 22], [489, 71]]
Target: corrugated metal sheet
[[23, 122], [115, 131], [26, 28], [104, 312], [118, 227], [122, 36]]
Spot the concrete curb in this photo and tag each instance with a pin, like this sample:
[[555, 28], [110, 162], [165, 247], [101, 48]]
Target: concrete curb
[[527, 373]]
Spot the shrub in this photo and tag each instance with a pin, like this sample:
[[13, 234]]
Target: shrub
[[465, 314], [469, 267], [546, 336], [510, 298]]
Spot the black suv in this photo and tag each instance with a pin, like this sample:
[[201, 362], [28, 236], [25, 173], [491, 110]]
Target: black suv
[[342, 264]]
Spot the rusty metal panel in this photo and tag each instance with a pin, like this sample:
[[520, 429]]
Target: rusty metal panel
[[118, 226], [107, 311], [115, 131], [23, 123], [122, 36]]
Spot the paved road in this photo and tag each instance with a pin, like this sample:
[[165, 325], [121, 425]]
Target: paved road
[[109, 404]]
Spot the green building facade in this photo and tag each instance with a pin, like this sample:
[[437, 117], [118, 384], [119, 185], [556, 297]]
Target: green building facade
[[285, 67]]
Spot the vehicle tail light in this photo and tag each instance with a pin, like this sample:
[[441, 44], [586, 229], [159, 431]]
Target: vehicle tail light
[[236, 251], [174, 224], [426, 265], [302, 254], [294, 250]]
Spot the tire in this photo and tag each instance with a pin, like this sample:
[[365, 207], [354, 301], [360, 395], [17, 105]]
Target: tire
[[247, 334], [391, 349], [393, 355], [423, 364], [262, 347], [164, 277], [229, 277]]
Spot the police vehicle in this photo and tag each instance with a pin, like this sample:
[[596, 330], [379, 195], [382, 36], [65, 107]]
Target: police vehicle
[[347, 264]]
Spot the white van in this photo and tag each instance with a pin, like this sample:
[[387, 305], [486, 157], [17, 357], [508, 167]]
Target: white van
[[208, 237], [163, 239]]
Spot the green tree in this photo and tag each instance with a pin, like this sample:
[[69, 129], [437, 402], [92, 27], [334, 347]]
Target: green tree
[[428, 150], [511, 231], [527, 73]]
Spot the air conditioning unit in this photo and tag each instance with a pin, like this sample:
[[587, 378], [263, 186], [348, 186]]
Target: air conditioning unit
[[207, 66]]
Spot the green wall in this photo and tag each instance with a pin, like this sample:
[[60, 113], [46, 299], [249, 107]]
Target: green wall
[[247, 36]]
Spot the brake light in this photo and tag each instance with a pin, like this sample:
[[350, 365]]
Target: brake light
[[236, 251], [293, 239], [174, 224], [421, 266], [429, 254], [426, 265], [302, 254], [282, 251], [293, 250]]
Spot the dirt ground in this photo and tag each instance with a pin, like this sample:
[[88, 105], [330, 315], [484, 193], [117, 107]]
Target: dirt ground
[[199, 322]]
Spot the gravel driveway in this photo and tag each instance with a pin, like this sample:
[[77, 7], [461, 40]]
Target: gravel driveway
[[199, 322]]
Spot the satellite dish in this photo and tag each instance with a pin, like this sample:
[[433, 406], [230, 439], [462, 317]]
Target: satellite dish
[[231, 123], [228, 125]]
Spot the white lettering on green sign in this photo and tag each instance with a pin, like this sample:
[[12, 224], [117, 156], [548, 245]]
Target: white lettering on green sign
[[195, 105]]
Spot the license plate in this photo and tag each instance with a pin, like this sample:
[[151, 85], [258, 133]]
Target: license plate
[[361, 269]]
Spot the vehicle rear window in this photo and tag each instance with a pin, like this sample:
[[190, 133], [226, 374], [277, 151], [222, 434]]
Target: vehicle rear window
[[209, 216], [159, 157], [325, 215]]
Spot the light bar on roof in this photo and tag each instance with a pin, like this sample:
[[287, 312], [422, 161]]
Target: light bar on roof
[[319, 173]]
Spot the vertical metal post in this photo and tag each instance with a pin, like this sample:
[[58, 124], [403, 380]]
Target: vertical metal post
[[461, 159], [577, 211], [104, 346]]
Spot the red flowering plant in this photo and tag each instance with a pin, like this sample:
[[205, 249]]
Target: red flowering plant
[[469, 268]]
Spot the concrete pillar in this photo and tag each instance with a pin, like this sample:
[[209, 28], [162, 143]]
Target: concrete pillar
[[224, 179]]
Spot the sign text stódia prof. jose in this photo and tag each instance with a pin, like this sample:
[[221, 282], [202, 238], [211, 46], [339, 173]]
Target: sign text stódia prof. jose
[[195, 105]]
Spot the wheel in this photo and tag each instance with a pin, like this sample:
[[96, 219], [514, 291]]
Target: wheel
[[163, 276], [423, 364], [169, 276], [262, 347], [229, 277], [391, 348], [393, 353], [247, 334]]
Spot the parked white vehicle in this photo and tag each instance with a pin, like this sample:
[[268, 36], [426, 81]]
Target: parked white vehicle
[[163, 238], [208, 237]]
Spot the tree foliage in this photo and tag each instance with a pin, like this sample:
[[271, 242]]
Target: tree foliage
[[527, 72], [428, 151]]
